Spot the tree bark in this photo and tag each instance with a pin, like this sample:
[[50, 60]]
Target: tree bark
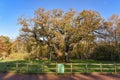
[[66, 53]]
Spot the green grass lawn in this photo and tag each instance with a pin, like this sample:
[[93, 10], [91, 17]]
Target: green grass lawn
[[34, 66]]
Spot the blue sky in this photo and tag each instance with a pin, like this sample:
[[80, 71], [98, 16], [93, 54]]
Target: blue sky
[[10, 10]]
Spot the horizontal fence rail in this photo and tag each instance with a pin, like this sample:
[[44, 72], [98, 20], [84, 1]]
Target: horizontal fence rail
[[53, 67]]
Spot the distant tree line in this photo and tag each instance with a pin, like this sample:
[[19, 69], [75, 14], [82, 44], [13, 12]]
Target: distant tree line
[[61, 36]]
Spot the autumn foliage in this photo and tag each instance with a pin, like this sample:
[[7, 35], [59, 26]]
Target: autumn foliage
[[60, 35]]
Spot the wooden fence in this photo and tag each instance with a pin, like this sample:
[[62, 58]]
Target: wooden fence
[[53, 67]]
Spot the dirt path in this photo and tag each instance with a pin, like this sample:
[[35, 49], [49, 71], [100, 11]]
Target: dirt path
[[94, 76]]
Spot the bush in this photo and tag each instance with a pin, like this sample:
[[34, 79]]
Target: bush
[[20, 56], [105, 52]]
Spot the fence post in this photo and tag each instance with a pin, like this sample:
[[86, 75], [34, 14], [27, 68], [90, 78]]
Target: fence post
[[27, 67], [43, 67], [17, 67], [4, 67], [71, 68], [101, 67], [56, 68], [86, 67], [115, 67]]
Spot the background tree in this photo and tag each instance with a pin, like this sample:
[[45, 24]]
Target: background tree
[[5, 46], [113, 29]]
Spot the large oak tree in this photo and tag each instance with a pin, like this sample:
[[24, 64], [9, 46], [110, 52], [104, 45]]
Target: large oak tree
[[60, 31]]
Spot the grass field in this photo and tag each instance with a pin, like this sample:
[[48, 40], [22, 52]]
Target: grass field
[[39, 66]]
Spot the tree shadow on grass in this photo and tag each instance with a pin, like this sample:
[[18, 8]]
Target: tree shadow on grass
[[81, 76], [96, 76], [13, 76], [117, 75]]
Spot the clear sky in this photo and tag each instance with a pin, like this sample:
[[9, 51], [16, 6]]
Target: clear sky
[[10, 10]]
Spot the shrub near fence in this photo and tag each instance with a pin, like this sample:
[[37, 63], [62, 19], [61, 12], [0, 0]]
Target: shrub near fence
[[53, 67]]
